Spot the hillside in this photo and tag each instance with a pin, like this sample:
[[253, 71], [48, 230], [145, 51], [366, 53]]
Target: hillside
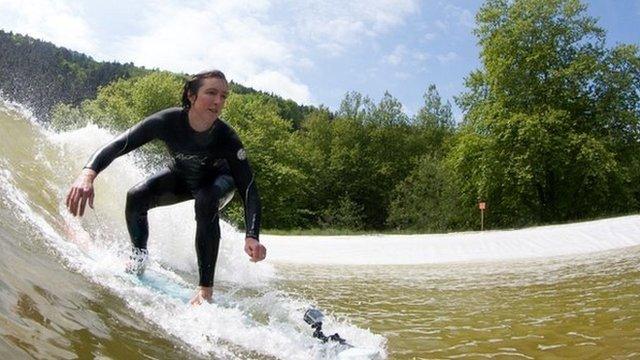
[[39, 75]]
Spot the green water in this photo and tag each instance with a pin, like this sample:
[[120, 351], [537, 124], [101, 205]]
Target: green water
[[48, 312], [584, 307]]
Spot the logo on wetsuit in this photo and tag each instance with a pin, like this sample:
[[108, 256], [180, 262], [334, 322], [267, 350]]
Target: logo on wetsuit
[[242, 155], [197, 158]]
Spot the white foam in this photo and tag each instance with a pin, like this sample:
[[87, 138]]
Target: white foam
[[536, 242]]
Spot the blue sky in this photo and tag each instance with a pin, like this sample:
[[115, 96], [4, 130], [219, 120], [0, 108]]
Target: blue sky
[[311, 52]]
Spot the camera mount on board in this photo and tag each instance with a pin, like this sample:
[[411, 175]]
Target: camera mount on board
[[314, 318]]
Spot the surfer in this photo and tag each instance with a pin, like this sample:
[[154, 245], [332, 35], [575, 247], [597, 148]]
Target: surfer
[[208, 162]]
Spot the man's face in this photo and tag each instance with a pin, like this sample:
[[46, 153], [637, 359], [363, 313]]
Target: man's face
[[211, 97]]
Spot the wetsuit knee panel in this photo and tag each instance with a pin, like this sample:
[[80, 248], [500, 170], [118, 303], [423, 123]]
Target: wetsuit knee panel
[[209, 200], [206, 201], [138, 196]]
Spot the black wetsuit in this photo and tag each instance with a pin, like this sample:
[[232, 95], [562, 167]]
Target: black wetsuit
[[205, 167]]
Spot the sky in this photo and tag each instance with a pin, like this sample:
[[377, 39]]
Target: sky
[[312, 52]]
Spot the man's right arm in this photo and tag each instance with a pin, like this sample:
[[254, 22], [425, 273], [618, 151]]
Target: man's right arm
[[134, 137], [81, 191]]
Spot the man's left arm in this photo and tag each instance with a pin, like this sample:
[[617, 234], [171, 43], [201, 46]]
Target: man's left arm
[[248, 191]]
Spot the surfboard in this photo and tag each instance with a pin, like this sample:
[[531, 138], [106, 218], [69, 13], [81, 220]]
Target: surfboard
[[359, 353], [166, 285]]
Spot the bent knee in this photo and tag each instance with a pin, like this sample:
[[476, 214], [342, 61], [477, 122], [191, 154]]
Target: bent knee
[[206, 204], [137, 197]]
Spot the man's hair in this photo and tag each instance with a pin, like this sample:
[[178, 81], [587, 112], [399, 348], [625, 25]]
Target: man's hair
[[193, 84]]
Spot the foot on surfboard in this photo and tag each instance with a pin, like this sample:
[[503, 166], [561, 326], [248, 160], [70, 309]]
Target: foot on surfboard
[[137, 261]]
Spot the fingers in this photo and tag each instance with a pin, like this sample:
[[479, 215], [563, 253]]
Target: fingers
[[203, 294], [87, 196], [197, 300], [83, 202], [77, 200], [73, 200], [250, 251], [255, 250], [259, 253], [69, 197]]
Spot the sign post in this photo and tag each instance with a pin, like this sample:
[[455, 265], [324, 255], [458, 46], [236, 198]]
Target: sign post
[[482, 205]]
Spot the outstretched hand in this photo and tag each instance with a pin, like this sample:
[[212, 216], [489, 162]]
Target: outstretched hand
[[81, 192], [255, 250]]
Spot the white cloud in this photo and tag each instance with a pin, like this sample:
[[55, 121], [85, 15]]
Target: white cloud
[[421, 56], [442, 25], [282, 85], [414, 59], [255, 43], [335, 25], [429, 36], [193, 40], [402, 75], [397, 56], [456, 19], [305, 63], [55, 21], [235, 37], [446, 58], [460, 16]]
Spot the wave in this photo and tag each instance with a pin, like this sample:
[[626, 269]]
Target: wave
[[250, 316]]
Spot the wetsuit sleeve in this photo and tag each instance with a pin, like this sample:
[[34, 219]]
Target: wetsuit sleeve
[[245, 183], [131, 139]]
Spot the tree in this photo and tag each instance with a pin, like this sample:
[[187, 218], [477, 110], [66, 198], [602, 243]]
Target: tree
[[427, 199], [552, 116], [315, 139], [274, 157], [434, 122], [355, 106]]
